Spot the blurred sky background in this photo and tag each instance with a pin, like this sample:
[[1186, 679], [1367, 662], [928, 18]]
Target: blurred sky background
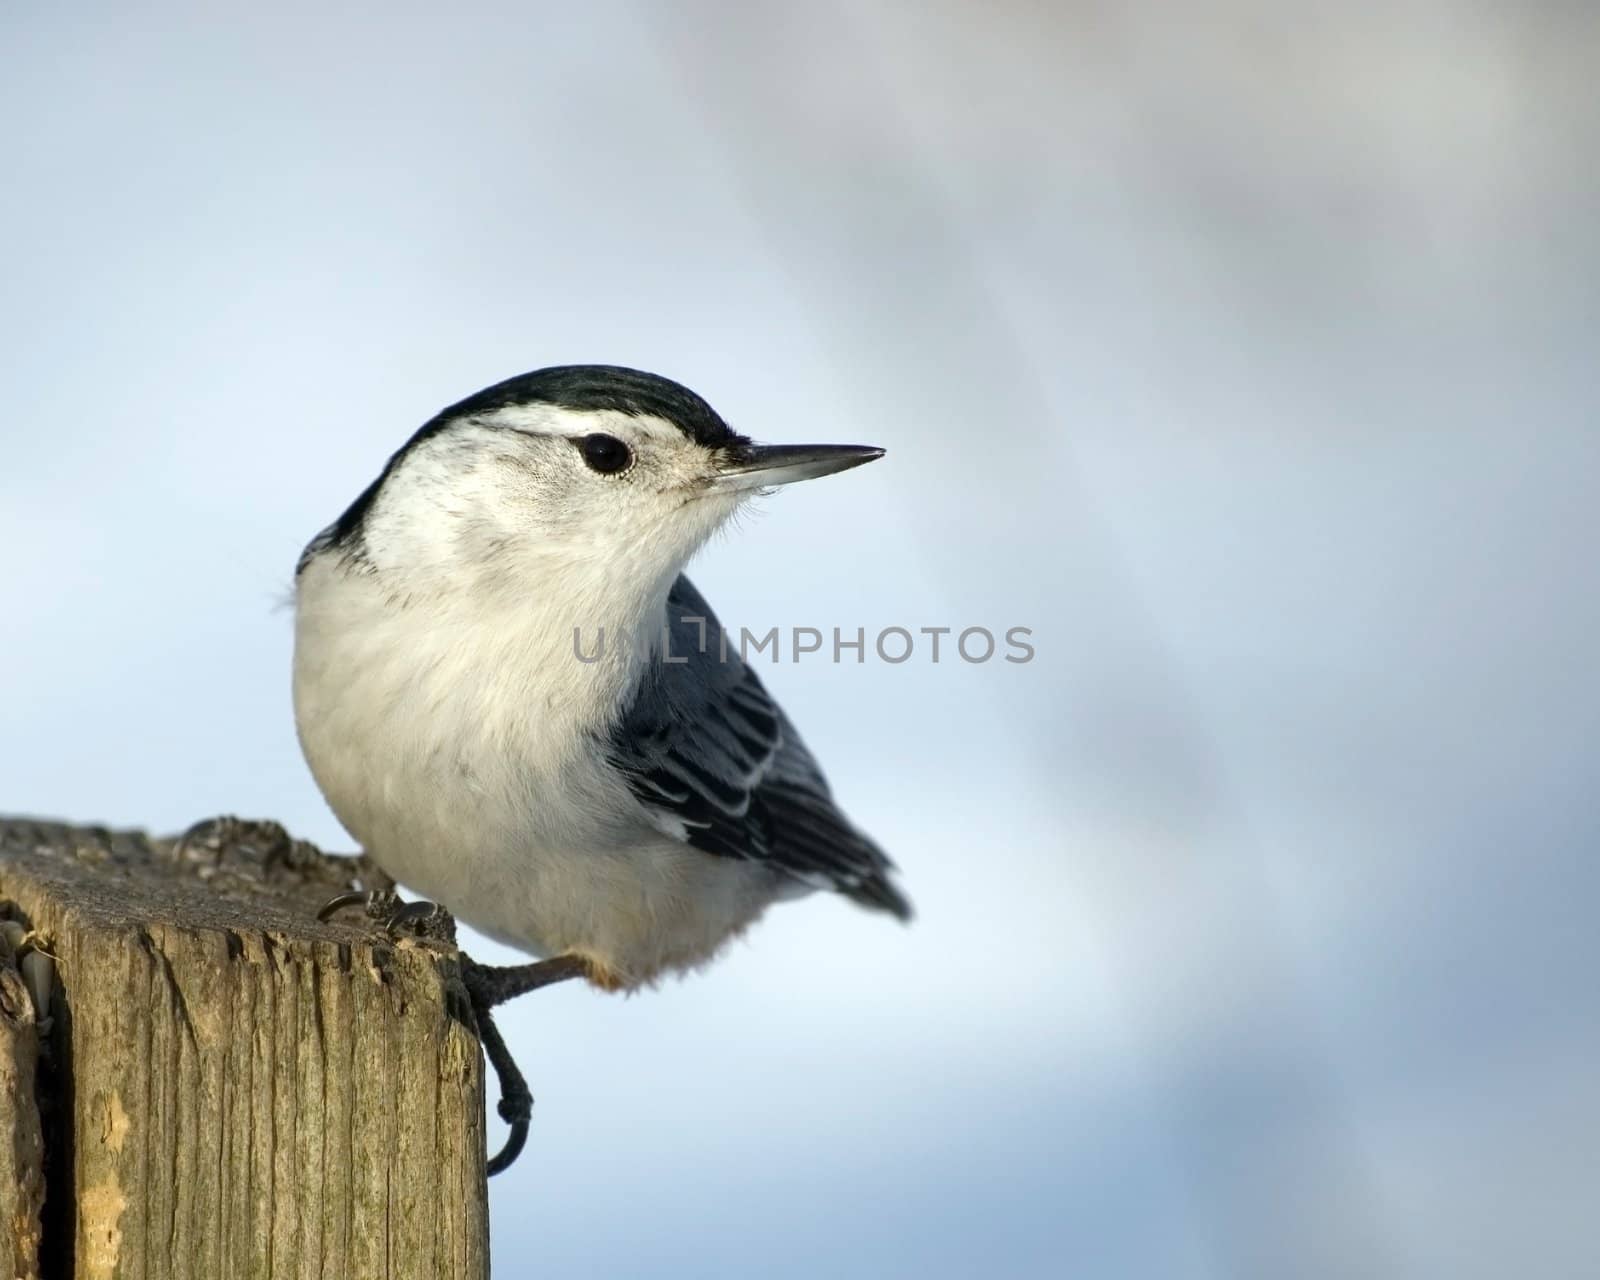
[[1246, 352]]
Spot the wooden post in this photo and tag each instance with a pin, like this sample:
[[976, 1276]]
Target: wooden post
[[224, 1086]]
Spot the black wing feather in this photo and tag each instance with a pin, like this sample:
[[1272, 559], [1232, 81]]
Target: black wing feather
[[713, 758]]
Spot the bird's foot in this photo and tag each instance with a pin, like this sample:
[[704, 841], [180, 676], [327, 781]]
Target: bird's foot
[[419, 919], [488, 986], [516, 1100]]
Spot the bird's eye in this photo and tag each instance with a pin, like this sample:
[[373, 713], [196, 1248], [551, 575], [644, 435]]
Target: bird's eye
[[605, 454]]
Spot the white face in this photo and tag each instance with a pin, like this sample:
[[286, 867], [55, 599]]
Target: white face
[[596, 496]]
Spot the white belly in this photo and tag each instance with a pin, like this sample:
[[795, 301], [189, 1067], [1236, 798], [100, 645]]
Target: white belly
[[432, 747]]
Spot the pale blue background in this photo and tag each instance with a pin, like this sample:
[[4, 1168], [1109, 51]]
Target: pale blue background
[[1246, 352]]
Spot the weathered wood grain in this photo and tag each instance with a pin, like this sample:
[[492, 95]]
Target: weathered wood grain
[[21, 1141], [233, 1089]]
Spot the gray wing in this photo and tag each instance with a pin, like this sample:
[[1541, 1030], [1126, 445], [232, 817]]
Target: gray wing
[[717, 764]]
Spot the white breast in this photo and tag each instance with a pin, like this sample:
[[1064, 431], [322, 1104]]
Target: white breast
[[455, 744]]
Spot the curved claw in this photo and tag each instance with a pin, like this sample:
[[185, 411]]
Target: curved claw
[[515, 1140], [354, 898]]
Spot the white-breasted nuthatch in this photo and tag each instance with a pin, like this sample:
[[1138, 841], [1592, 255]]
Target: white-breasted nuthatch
[[621, 807]]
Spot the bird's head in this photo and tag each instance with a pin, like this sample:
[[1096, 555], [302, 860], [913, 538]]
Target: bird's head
[[605, 474]]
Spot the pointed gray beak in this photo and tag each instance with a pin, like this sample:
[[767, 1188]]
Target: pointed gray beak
[[765, 466]]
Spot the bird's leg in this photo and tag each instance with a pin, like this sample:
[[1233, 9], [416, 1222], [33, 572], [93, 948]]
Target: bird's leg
[[489, 985], [421, 919]]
